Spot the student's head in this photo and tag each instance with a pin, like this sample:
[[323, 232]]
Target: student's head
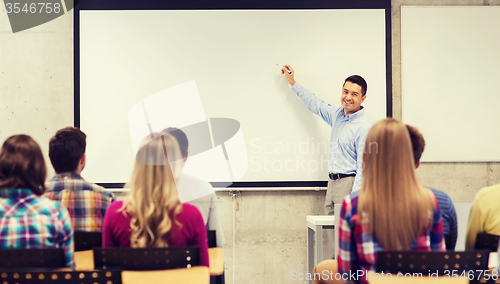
[[396, 205], [388, 150], [181, 138], [417, 142], [353, 94], [153, 201], [22, 164], [67, 149]]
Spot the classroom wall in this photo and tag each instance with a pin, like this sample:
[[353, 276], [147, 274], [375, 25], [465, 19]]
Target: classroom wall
[[265, 231]]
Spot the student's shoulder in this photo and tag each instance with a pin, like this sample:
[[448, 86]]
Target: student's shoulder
[[441, 195], [114, 207], [95, 187], [189, 209], [194, 180], [194, 187], [190, 212], [48, 207], [487, 193]]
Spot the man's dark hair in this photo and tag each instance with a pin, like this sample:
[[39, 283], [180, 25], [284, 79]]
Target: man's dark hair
[[22, 164], [356, 79], [181, 139], [417, 142], [66, 149]]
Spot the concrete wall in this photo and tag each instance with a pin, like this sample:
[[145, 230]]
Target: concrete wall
[[265, 231]]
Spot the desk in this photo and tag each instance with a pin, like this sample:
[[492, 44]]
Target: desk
[[197, 274], [317, 224]]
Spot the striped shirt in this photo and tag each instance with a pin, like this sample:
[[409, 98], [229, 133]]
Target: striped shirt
[[358, 248], [32, 221], [86, 202], [449, 216]]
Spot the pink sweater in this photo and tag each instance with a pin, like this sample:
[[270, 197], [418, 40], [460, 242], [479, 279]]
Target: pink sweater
[[116, 229]]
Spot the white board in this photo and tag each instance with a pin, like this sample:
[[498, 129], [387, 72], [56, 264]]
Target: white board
[[450, 70], [127, 58]]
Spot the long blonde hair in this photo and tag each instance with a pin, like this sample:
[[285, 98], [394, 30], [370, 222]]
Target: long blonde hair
[[153, 201], [392, 202]]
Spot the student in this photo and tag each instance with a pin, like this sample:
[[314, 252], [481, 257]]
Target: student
[[152, 215], [349, 128], [406, 213], [86, 202], [207, 204], [484, 216], [446, 206], [29, 220]]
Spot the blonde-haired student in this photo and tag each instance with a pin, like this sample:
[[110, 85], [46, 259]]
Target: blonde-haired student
[[152, 215], [392, 211]]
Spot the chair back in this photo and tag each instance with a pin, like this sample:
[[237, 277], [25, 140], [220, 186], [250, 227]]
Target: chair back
[[147, 258], [486, 242], [87, 240], [212, 238], [433, 261], [39, 258], [62, 277], [447, 242]]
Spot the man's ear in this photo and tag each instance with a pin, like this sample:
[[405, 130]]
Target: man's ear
[[185, 158], [83, 161], [418, 165]]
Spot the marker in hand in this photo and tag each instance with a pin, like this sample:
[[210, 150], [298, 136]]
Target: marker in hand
[[289, 72]]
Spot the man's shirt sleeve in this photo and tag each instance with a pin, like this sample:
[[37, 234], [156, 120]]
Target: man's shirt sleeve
[[360, 148], [313, 103]]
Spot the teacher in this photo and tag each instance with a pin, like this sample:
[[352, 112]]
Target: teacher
[[350, 126]]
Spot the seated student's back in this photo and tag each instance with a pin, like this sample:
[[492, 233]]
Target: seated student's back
[[484, 215], [195, 191], [446, 206], [86, 202], [152, 215], [29, 220], [392, 211]]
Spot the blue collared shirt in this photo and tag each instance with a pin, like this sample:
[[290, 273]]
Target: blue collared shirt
[[348, 134]]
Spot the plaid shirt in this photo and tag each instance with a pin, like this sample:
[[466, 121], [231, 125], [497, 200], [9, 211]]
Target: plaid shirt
[[358, 248], [32, 221], [86, 202]]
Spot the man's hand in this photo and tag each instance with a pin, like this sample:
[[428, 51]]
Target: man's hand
[[289, 73]]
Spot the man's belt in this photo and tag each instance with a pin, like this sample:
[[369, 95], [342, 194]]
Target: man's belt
[[339, 176]]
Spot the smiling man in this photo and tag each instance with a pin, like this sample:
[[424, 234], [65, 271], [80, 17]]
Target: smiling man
[[350, 126]]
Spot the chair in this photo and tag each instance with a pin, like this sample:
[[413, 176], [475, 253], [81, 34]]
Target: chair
[[172, 265], [447, 242], [486, 242], [434, 261], [62, 277], [147, 258], [198, 275], [39, 258], [87, 240], [212, 238]]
